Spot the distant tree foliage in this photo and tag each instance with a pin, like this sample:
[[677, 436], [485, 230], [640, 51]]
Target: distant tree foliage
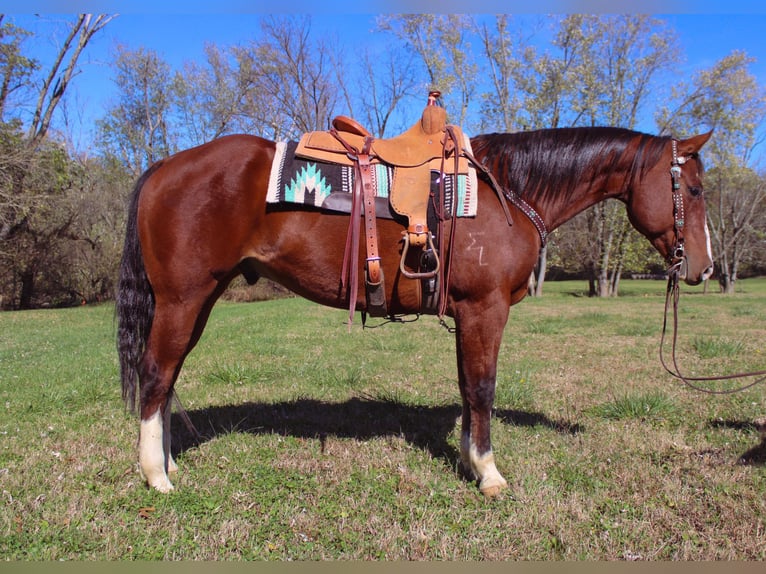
[[40, 183], [598, 71]]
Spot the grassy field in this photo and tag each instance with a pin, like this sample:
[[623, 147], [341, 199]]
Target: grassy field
[[320, 444]]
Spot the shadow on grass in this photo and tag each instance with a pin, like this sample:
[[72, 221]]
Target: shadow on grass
[[426, 427], [755, 456]]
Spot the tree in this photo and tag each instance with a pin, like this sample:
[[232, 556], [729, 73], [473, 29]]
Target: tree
[[736, 199], [727, 99], [501, 108], [62, 70], [598, 73], [293, 89], [442, 43], [208, 98], [531, 90], [615, 61], [138, 127], [30, 256], [384, 83], [630, 52], [15, 68], [36, 174]]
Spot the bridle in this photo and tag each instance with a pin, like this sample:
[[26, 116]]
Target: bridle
[[676, 271], [678, 254]]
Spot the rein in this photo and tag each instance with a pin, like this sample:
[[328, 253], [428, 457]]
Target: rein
[[673, 293], [675, 272]]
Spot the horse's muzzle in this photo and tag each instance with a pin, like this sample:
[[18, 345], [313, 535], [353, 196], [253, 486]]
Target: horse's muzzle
[[680, 268]]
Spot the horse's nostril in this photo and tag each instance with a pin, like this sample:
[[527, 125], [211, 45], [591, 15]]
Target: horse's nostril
[[707, 273]]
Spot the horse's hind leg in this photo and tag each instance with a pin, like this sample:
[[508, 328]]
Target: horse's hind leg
[[176, 328]]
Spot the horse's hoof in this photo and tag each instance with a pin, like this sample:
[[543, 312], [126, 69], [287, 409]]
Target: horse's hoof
[[163, 486], [157, 480], [492, 491], [492, 488]]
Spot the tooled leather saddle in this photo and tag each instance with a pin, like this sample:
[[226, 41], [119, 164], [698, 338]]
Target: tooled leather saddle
[[430, 145]]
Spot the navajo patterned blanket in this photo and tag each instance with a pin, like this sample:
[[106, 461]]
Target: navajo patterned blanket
[[295, 180]]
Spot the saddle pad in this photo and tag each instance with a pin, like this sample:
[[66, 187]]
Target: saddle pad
[[295, 180]]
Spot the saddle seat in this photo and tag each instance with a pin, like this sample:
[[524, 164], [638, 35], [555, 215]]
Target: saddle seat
[[418, 145], [414, 154]]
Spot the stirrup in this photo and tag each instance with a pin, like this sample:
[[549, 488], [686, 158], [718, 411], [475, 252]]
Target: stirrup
[[405, 249]]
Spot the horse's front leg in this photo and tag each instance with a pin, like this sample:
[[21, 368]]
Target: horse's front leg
[[479, 332]]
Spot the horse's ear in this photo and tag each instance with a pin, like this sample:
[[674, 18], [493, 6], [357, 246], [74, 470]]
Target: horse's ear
[[693, 144]]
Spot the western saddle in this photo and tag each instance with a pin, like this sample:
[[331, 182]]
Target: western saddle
[[430, 145]]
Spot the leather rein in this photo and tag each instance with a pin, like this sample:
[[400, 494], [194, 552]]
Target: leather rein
[[678, 261]]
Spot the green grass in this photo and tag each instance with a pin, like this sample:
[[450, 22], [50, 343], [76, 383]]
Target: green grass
[[641, 406], [717, 347], [320, 444]]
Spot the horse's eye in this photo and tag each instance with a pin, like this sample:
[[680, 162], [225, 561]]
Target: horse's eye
[[695, 191]]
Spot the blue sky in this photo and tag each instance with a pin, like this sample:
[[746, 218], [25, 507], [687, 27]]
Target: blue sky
[[706, 35]]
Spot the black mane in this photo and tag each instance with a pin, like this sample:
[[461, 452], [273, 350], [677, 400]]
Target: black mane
[[551, 162]]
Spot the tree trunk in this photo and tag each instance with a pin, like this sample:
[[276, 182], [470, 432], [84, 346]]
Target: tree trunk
[[727, 283], [606, 237], [27, 290], [614, 284], [592, 283], [727, 278], [603, 282]]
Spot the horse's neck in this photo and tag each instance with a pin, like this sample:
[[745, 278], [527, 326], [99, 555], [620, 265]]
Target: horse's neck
[[607, 184]]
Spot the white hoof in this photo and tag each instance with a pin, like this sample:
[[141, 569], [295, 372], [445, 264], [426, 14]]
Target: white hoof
[[483, 468], [155, 478], [162, 485], [492, 486]]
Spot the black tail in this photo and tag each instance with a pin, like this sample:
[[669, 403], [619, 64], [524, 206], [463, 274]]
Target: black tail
[[134, 302]]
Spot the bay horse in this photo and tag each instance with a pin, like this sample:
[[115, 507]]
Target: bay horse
[[199, 218]]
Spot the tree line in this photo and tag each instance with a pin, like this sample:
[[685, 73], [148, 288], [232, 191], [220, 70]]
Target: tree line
[[62, 210]]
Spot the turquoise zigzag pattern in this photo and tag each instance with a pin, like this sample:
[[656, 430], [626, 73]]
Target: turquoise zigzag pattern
[[308, 180]]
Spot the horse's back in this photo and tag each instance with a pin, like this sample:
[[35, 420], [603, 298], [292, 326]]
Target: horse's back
[[211, 176], [221, 162]]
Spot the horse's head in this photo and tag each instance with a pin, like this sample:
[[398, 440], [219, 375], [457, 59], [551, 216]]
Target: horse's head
[[667, 205]]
